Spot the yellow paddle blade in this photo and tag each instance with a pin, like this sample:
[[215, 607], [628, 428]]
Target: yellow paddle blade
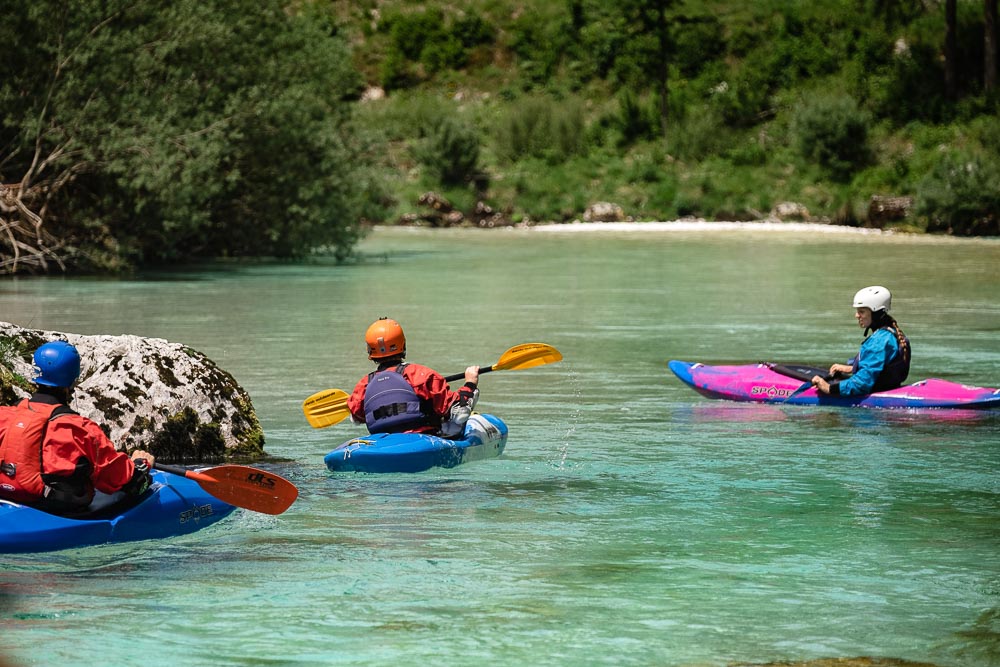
[[326, 408], [527, 355]]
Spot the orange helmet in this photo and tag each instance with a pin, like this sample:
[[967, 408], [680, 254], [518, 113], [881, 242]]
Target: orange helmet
[[385, 339]]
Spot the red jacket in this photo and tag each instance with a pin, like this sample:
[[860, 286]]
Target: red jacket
[[430, 387], [75, 449]]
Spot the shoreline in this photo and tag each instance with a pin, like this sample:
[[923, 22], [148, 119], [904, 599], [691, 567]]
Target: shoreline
[[766, 227], [707, 226]]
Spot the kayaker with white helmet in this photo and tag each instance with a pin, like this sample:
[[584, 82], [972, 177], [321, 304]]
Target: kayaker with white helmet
[[55, 459], [884, 359], [401, 397]]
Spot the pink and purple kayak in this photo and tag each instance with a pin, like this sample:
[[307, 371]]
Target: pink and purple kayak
[[775, 383]]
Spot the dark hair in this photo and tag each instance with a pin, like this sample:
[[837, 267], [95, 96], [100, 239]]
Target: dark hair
[[62, 394], [882, 319]]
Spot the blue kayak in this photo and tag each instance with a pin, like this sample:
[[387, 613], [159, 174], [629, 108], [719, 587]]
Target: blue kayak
[[485, 437], [174, 505]]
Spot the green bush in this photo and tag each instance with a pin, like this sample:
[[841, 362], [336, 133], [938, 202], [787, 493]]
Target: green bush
[[541, 127], [911, 86], [637, 119], [742, 99], [450, 151], [697, 43], [429, 37], [747, 152], [986, 130], [407, 114], [832, 132], [473, 30], [444, 54], [961, 195], [599, 43], [644, 168], [539, 41], [396, 73], [411, 32], [700, 134]]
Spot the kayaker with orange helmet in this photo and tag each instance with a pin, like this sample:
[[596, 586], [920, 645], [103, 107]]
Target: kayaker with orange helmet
[[883, 362], [400, 397], [55, 459]]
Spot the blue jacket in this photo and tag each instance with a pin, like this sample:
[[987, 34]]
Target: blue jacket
[[879, 353]]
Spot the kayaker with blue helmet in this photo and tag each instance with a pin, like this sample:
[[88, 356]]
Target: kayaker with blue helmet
[[401, 397], [883, 361], [55, 459]]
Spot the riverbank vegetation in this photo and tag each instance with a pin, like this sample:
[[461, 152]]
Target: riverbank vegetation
[[712, 109], [134, 135]]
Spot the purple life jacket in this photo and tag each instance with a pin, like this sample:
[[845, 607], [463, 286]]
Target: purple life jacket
[[391, 404]]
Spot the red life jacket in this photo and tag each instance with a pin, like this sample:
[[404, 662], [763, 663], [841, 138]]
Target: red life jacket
[[21, 451]]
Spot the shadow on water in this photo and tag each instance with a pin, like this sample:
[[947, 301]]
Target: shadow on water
[[826, 418], [401, 487]]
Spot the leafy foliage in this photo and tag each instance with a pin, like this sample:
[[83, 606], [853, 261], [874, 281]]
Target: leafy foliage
[[431, 39], [540, 127], [819, 103], [450, 151], [960, 195], [186, 129], [230, 129], [833, 133], [697, 42], [636, 120]]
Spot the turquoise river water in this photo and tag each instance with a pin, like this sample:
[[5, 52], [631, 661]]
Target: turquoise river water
[[630, 520]]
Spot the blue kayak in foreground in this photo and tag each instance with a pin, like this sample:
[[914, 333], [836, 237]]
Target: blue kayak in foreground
[[174, 505], [485, 437]]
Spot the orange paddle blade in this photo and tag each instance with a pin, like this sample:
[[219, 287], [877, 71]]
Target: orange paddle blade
[[243, 486]]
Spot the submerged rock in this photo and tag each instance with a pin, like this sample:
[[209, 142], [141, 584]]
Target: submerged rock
[[145, 393]]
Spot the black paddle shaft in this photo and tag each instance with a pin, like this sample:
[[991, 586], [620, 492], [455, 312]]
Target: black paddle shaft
[[800, 371], [459, 376]]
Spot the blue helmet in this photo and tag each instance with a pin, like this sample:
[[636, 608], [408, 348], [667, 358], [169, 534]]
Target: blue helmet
[[57, 364]]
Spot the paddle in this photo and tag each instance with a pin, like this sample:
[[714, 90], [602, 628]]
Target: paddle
[[243, 486], [800, 373], [329, 407], [326, 408], [517, 358], [798, 391]]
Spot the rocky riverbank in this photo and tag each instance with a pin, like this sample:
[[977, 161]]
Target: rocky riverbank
[[437, 211]]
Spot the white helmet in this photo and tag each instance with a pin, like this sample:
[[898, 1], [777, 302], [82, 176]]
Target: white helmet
[[876, 297]]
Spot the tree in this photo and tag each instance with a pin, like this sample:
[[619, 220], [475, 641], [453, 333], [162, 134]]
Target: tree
[[649, 22], [990, 46], [136, 132], [950, 50]]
